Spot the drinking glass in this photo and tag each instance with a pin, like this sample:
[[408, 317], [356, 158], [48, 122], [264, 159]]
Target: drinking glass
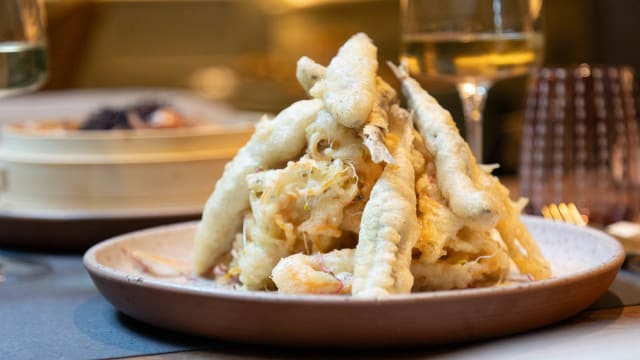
[[472, 44], [23, 68], [581, 142], [23, 59]]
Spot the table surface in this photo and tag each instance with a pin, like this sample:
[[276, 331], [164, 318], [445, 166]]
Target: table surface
[[58, 313]]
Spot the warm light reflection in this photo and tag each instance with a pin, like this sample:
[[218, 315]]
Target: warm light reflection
[[309, 3], [274, 5], [214, 82], [33, 20], [535, 6], [515, 58], [302, 3]]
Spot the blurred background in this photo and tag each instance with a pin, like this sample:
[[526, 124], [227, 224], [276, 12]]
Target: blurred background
[[244, 51]]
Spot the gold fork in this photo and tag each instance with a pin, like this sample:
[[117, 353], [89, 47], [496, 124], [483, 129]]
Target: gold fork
[[564, 212]]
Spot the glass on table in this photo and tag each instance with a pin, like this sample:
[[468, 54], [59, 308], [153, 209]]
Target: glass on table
[[472, 44], [581, 143], [23, 68], [23, 55]]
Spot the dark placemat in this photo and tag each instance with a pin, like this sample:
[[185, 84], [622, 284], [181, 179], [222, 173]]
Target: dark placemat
[[55, 312]]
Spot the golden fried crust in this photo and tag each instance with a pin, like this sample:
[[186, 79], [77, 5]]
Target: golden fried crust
[[274, 142], [402, 208], [377, 123], [329, 273], [389, 228], [348, 88], [456, 168], [309, 72], [473, 194], [523, 249], [373, 128]]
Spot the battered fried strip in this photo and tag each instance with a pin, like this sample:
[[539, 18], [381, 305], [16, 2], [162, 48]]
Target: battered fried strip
[[441, 275], [273, 142], [378, 122], [389, 227], [486, 197], [256, 257], [329, 273], [438, 223], [348, 87], [309, 73], [474, 258], [301, 204], [456, 168], [523, 249]]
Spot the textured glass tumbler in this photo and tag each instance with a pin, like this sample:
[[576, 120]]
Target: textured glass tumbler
[[580, 141]]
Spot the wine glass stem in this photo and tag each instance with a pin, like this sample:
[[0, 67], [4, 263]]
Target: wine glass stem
[[473, 95]]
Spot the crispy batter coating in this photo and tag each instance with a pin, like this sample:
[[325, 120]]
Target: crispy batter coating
[[457, 171], [438, 224], [327, 139], [309, 73], [472, 193], [341, 195], [522, 247], [348, 87], [298, 208], [377, 123], [473, 259], [329, 273], [389, 227], [273, 143]]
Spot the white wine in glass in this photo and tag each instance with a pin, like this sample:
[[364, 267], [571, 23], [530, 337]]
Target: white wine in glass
[[472, 44], [23, 54], [459, 57], [23, 67]]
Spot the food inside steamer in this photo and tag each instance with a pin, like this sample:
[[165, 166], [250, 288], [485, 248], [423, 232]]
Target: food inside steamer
[[143, 114]]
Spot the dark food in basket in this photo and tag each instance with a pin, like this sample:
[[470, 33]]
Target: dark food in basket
[[143, 115]]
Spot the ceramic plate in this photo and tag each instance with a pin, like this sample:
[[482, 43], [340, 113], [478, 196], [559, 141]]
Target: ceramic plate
[[584, 262]]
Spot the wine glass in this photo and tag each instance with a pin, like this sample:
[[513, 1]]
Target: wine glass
[[472, 44], [23, 68]]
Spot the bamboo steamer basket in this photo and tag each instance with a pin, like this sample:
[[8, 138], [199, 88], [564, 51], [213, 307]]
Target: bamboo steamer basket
[[141, 170]]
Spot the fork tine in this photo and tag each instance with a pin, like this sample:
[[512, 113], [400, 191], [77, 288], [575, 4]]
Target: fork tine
[[545, 212], [564, 212], [580, 219], [555, 212], [567, 215]]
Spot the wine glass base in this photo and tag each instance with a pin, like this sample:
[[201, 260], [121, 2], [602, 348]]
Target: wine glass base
[[15, 268], [6, 92]]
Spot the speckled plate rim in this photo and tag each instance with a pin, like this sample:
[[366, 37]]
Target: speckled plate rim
[[95, 268]]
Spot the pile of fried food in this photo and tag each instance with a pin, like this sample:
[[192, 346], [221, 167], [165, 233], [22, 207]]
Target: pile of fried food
[[341, 194]]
